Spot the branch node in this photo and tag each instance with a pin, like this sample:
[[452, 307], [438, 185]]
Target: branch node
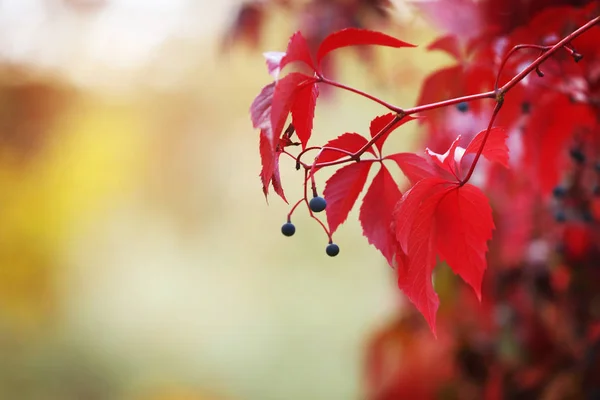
[[539, 72]]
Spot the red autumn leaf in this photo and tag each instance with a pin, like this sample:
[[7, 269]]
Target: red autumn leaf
[[495, 149], [441, 218], [260, 110], [303, 112], [448, 44], [414, 167], [267, 157], [464, 225], [273, 60], [376, 213], [284, 98], [276, 179], [378, 123], [349, 141], [297, 50], [342, 190], [553, 122], [405, 212], [447, 161], [415, 273], [356, 37]]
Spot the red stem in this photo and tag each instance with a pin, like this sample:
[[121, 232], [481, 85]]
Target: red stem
[[387, 105], [536, 63], [485, 137]]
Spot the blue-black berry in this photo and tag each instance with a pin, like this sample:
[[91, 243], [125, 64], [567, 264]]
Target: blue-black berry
[[462, 106], [560, 216], [577, 156], [559, 192], [587, 216], [288, 229], [317, 204], [332, 250]]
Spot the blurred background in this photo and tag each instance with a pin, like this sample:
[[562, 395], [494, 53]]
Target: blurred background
[[138, 256]]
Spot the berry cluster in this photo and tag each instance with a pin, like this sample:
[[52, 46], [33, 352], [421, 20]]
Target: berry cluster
[[573, 197], [317, 204]]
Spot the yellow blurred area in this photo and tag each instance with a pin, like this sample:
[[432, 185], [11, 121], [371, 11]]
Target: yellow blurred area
[[138, 257]]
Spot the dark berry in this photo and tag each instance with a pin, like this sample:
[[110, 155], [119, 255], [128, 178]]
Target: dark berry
[[288, 229], [560, 216], [587, 216], [462, 106], [597, 166], [596, 190], [332, 250], [526, 107], [559, 192], [317, 204], [577, 156]]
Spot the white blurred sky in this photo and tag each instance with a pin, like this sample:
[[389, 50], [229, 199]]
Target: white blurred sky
[[107, 43]]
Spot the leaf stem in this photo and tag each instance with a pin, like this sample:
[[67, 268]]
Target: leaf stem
[[359, 92]]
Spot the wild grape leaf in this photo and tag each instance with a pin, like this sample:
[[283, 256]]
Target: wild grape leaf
[[414, 167], [405, 212], [464, 225], [447, 161], [276, 179], [448, 44], [380, 122], [546, 136], [270, 166], [342, 190], [349, 141], [273, 60], [450, 221], [376, 213], [495, 149], [356, 37], [303, 112], [260, 110], [442, 217], [284, 97], [415, 273], [297, 50]]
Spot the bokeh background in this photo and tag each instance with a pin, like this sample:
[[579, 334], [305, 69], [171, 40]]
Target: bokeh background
[[138, 256]]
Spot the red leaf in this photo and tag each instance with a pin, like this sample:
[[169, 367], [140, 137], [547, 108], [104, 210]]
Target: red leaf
[[276, 179], [378, 123], [405, 212], [447, 161], [376, 213], [495, 149], [303, 112], [414, 167], [267, 156], [464, 224], [441, 218], [342, 190], [356, 37], [260, 110], [415, 275], [552, 123], [273, 60], [350, 141], [449, 44], [283, 98], [297, 50]]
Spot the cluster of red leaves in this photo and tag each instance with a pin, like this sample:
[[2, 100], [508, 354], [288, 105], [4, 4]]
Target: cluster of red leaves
[[536, 334], [544, 273], [440, 216]]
